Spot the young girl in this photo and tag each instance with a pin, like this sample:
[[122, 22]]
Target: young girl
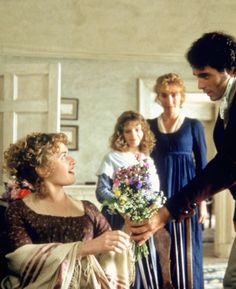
[[53, 237], [131, 142]]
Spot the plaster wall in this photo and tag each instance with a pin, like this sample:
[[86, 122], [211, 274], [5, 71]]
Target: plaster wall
[[104, 47], [109, 29], [105, 88]]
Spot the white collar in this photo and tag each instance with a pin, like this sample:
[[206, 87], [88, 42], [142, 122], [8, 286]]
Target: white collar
[[228, 88], [176, 126], [227, 99]]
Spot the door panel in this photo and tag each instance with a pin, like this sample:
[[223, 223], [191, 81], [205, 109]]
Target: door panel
[[30, 97]]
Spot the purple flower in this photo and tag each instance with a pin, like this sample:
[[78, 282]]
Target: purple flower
[[139, 185]]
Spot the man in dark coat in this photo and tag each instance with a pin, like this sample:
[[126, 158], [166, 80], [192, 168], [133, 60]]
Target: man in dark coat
[[213, 61]]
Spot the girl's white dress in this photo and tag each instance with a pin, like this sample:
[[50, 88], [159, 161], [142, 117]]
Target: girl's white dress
[[147, 268]]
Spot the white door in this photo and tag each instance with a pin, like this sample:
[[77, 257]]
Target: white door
[[30, 97]]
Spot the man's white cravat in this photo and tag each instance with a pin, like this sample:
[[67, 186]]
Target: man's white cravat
[[226, 100], [223, 107]]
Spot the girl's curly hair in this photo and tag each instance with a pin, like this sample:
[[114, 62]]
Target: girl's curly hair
[[117, 140], [23, 157]]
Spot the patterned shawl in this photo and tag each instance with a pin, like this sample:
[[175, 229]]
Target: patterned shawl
[[56, 265]]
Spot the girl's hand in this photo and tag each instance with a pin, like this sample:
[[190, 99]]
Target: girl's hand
[[116, 241]]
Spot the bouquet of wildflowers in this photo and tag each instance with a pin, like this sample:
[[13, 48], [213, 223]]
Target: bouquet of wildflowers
[[134, 197]]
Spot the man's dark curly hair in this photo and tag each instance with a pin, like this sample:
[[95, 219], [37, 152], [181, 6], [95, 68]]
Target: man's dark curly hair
[[214, 49]]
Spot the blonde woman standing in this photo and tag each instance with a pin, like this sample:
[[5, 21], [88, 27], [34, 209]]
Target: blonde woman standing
[[180, 153]]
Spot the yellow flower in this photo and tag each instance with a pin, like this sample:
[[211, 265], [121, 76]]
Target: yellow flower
[[117, 193], [123, 200]]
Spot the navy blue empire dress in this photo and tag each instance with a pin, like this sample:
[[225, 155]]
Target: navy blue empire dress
[[178, 156]]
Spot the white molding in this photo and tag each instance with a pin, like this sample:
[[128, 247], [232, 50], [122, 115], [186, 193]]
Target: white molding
[[31, 51]]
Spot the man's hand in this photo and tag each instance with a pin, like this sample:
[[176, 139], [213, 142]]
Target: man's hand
[[202, 212], [142, 231]]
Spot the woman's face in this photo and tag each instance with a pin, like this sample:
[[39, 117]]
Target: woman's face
[[169, 97], [133, 134], [62, 164]]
